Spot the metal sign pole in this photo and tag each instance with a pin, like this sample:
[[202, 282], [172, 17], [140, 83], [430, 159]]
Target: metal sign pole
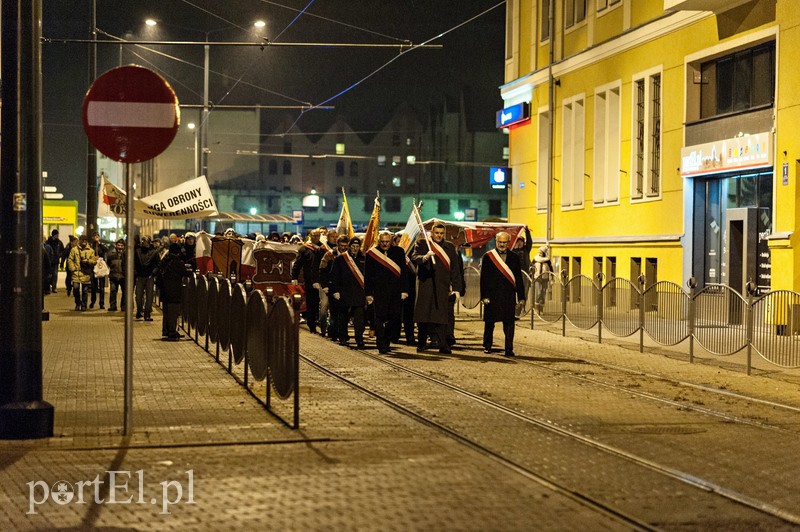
[[129, 295]]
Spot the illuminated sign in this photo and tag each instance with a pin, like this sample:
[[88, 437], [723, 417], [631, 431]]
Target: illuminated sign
[[499, 177], [739, 153], [513, 115]]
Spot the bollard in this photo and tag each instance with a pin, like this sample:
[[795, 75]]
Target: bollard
[[751, 290], [642, 281], [563, 303], [692, 284], [600, 287]]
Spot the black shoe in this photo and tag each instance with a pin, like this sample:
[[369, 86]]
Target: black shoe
[[102, 306], [83, 308], [360, 345], [91, 305], [421, 348], [487, 350], [148, 318], [383, 351], [175, 336], [77, 307], [343, 343], [445, 351], [138, 315], [509, 354], [55, 291], [112, 310]]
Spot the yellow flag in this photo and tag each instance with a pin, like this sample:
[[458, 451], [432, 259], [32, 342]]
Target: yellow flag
[[371, 236], [345, 224]]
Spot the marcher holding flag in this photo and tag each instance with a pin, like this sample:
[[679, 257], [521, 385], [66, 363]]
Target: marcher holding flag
[[371, 236]]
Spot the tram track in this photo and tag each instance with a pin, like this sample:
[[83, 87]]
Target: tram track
[[521, 464], [790, 410]]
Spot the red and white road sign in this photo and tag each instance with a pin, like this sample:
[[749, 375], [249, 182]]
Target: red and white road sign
[[131, 114]]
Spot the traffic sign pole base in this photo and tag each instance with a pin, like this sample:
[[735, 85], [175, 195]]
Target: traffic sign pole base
[[26, 421]]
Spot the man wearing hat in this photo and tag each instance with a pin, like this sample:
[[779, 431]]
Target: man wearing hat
[[347, 288], [501, 289]]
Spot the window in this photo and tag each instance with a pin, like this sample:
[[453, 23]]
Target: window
[[287, 145], [340, 148], [396, 181], [353, 169], [509, 29], [572, 153], [381, 160], [395, 139], [646, 150], [603, 4], [443, 206], [411, 159], [287, 167], [606, 145], [738, 82], [463, 204], [545, 20], [392, 203], [339, 169], [273, 167], [543, 162], [574, 12], [396, 159]]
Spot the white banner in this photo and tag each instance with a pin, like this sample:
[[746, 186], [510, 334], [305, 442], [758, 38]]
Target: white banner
[[190, 199]]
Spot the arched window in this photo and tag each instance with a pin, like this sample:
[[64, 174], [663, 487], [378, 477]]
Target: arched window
[[339, 169], [353, 169], [287, 167], [273, 167]]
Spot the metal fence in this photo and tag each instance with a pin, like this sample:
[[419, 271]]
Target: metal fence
[[254, 327], [717, 317]]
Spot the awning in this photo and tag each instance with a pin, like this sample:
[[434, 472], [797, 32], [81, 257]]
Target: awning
[[252, 218]]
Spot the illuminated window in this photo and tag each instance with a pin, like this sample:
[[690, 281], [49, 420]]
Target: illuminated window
[[396, 160], [396, 182], [411, 159], [340, 148], [381, 160]]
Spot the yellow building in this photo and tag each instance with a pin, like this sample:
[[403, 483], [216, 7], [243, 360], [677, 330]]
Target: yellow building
[[61, 215], [673, 150]]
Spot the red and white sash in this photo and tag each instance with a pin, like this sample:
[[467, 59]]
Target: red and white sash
[[310, 246], [384, 261], [354, 268], [441, 254], [501, 265], [327, 248]]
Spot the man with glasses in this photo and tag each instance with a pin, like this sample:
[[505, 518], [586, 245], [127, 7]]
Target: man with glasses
[[438, 278], [385, 284], [501, 290]]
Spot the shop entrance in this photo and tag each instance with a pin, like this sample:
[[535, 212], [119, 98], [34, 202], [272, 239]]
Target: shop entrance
[[731, 211]]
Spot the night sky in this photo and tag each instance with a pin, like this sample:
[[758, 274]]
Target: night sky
[[470, 62]]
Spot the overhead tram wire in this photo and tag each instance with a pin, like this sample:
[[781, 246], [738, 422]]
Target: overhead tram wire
[[392, 60]]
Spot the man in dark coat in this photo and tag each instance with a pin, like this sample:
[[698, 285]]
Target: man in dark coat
[[117, 264], [145, 262], [169, 278], [347, 288], [438, 277], [307, 262], [386, 286], [501, 290], [325, 271], [58, 253]]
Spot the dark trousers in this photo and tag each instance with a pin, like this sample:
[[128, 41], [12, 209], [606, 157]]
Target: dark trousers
[[114, 287], [99, 287], [81, 293], [408, 317], [508, 331], [54, 278], [169, 321], [434, 330], [144, 296], [335, 318], [386, 322], [345, 313], [69, 281], [451, 320], [312, 308]]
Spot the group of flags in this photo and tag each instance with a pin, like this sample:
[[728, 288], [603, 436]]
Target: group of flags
[[408, 234]]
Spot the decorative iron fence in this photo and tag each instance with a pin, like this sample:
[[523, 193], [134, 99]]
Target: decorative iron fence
[[717, 317], [258, 329]]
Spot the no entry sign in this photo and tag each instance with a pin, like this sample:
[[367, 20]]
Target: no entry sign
[[130, 114]]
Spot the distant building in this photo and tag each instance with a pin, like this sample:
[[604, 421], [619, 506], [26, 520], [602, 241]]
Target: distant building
[[668, 148]]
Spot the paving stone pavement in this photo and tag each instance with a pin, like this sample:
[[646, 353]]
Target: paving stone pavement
[[201, 441]]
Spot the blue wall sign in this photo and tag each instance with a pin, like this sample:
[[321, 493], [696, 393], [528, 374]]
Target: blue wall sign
[[499, 177], [513, 115]]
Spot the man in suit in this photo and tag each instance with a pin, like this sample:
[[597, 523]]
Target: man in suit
[[385, 284], [347, 288], [501, 290], [438, 278]]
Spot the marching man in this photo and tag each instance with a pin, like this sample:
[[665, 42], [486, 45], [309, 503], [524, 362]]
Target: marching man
[[386, 287], [501, 290], [347, 288]]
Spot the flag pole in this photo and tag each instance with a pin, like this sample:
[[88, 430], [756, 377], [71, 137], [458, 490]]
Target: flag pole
[[424, 232]]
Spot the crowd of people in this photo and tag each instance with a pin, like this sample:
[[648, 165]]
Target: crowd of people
[[88, 262], [399, 296]]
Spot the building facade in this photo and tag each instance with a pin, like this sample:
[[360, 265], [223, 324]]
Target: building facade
[[660, 139]]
